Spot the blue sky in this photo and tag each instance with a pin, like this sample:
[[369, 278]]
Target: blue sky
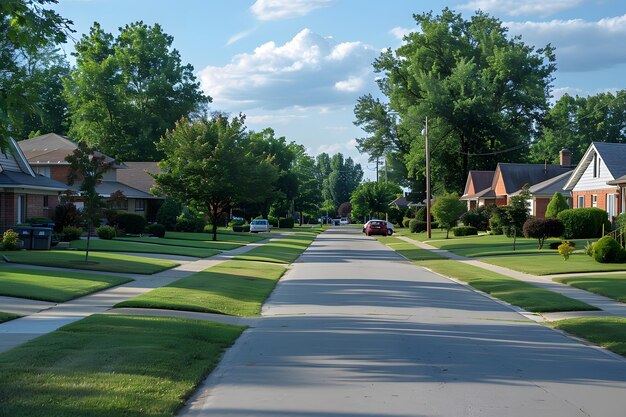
[[298, 66]]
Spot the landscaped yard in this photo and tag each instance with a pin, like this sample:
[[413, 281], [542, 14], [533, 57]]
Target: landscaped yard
[[113, 366], [7, 316], [56, 286], [409, 250], [222, 236], [552, 264], [119, 245], [98, 261], [284, 250], [188, 243], [609, 332], [612, 286], [236, 288]]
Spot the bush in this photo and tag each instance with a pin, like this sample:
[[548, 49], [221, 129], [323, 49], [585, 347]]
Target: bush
[[541, 229], [9, 240], [496, 221], [619, 222], [237, 223], [110, 215], [190, 224], [106, 232], [39, 220], [71, 233], [464, 231], [156, 230], [286, 223], [589, 248], [131, 223], [477, 217], [565, 249], [65, 215], [608, 250], [395, 215], [556, 205], [406, 221], [417, 226], [582, 223], [555, 245], [168, 214]]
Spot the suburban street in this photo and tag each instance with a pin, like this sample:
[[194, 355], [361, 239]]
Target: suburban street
[[353, 330]]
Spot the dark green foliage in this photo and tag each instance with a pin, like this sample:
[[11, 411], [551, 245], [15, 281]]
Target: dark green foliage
[[417, 226], [496, 220], [168, 213], [65, 215], [447, 209], [619, 222], [556, 205], [156, 230], [71, 233], [406, 221], [395, 215], [583, 223], [190, 224], [477, 217], [286, 223], [131, 223], [608, 250], [464, 231], [105, 232], [541, 229], [420, 214]]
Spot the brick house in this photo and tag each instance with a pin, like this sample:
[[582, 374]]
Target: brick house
[[541, 194], [478, 191], [46, 154], [598, 178], [24, 194]]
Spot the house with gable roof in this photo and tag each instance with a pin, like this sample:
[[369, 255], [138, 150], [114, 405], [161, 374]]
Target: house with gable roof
[[478, 191], [599, 179]]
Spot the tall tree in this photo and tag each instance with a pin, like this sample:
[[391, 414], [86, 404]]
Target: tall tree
[[309, 192], [373, 197], [127, 91], [207, 166], [484, 93], [343, 179]]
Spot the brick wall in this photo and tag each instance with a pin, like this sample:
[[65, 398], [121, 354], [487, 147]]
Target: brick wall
[[60, 173], [601, 198], [34, 206], [541, 204], [501, 201], [8, 210]]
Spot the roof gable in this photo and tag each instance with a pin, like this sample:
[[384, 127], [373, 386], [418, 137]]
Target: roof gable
[[516, 176], [613, 156], [51, 149]]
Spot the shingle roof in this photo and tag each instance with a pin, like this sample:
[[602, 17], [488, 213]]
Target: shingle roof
[[136, 175], [613, 155], [15, 179], [549, 187], [618, 181], [50, 149], [516, 176], [481, 179]]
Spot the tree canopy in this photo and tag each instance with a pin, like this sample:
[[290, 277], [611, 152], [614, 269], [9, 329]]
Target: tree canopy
[[373, 198]]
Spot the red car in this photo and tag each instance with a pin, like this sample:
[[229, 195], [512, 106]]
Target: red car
[[376, 227]]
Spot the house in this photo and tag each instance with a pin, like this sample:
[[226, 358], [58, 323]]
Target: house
[[24, 194], [598, 179], [47, 153], [478, 191], [137, 175], [542, 193]]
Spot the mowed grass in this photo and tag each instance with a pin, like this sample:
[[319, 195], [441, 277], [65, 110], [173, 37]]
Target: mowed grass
[[608, 332], [612, 286], [7, 316], [187, 243], [552, 264], [136, 247], [98, 261], [408, 250], [236, 288], [113, 366], [222, 236], [511, 290], [284, 250], [56, 286]]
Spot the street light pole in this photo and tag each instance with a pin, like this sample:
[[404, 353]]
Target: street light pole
[[428, 230]]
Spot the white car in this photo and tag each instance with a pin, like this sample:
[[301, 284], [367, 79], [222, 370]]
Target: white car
[[390, 229], [260, 225], [343, 220]]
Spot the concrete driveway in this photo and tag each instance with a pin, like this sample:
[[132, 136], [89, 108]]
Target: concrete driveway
[[354, 330]]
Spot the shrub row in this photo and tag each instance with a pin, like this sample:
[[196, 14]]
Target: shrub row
[[464, 231], [584, 222]]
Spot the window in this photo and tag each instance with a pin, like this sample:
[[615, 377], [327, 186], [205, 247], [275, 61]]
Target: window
[[594, 201], [595, 165], [610, 205], [140, 204], [22, 202], [581, 201], [45, 201], [45, 171]]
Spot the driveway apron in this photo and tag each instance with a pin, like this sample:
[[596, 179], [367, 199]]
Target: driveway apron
[[355, 330]]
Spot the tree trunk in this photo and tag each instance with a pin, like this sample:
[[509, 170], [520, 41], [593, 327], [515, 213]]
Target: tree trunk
[[214, 216]]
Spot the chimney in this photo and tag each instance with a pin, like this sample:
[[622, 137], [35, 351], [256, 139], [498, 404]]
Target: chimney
[[565, 157]]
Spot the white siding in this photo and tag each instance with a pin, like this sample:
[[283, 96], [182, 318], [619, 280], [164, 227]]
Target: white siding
[[587, 182], [110, 175], [9, 163]]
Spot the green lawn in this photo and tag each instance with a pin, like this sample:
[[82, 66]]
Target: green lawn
[[612, 286], [129, 246], [222, 236], [187, 243], [98, 261], [113, 366], [236, 288], [7, 316], [511, 290], [284, 250], [553, 264], [608, 332], [56, 286], [408, 250]]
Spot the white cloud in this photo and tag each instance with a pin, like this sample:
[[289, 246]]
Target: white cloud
[[347, 148], [541, 8], [308, 71], [274, 119], [399, 32], [580, 45], [239, 36], [557, 93], [285, 9]]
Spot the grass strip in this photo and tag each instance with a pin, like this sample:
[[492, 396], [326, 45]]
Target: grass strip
[[114, 366], [236, 288], [7, 316], [608, 332], [283, 250], [128, 246], [409, 250], [187, 243], [612, 286], [513, 291], [98, 261], [56, 286], [222, 236], [552, 264]]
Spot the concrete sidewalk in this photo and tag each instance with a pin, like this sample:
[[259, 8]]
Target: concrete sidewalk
[[607, 305]]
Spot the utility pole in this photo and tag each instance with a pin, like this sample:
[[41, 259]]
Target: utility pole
[[428, 230]]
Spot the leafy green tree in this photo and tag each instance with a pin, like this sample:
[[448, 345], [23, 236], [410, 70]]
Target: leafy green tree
[[516, 213], [557, 204], [88, 166], [373, 197], [484, 93], [309, 193], [127, 91], [343, 179], [207, 166], [447, 209]]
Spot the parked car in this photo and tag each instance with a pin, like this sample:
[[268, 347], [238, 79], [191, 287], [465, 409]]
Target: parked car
[[390, 228], [376, 227], [343, 220], [259, 225]]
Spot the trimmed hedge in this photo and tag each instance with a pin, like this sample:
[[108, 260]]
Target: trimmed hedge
[[190, 224], [417, 226], [71, 233], [608, 250], [156, 229], [464, 231], [580, 223], [105, 232], [131, 223]]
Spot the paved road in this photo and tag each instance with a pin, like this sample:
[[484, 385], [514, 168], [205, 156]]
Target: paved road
[[353, 330]]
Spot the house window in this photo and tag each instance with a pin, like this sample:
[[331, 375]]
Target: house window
[[595, 165], [581, 201], [45, 201], [45, 171], [118, 204], [610, 205], [140, 204], [594, 201], [22, 203]]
